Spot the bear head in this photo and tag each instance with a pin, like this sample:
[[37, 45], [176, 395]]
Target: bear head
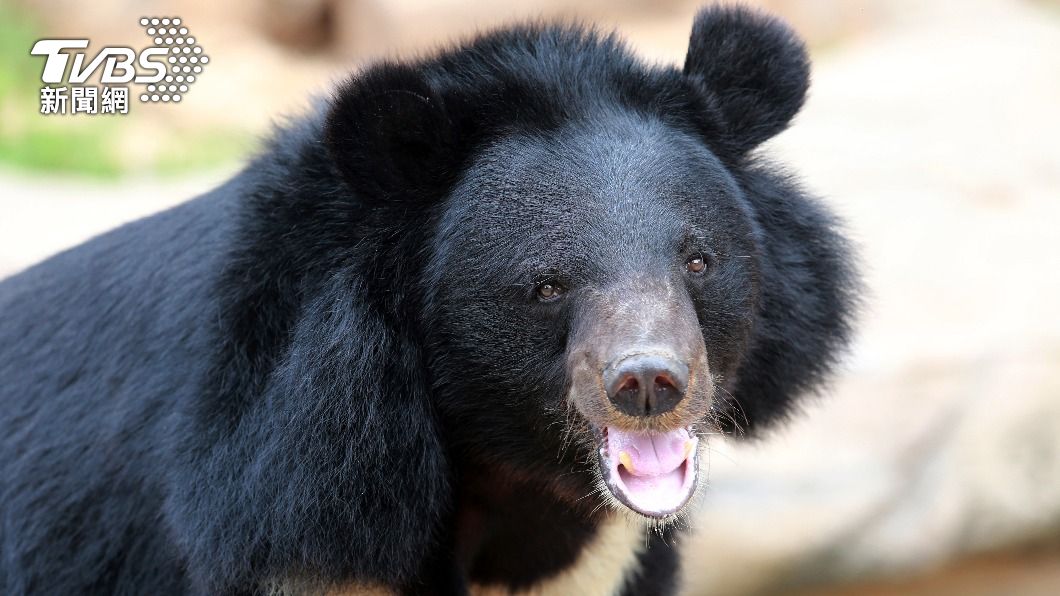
[[606, 273]]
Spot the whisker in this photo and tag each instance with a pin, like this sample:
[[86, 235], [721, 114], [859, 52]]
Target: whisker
[[731, 400]]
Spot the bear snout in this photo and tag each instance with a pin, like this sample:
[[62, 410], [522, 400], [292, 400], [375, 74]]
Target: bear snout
[[646, 384]]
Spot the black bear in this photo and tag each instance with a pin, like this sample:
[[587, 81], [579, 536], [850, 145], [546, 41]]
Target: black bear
[[467, 326]]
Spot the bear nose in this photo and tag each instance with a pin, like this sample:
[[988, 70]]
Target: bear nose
[[646, 384]]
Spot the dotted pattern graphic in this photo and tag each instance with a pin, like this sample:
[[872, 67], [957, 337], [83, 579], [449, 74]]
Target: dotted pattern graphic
[[185, 59]]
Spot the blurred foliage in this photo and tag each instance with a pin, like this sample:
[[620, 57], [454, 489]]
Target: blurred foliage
[[48, 149], [16, 38], [96, 146]]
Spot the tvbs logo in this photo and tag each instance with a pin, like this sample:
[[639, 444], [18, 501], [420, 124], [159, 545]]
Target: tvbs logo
[[117, 62], [166, 69]]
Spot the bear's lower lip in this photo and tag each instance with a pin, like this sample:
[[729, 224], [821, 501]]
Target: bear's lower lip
[[652, 473]]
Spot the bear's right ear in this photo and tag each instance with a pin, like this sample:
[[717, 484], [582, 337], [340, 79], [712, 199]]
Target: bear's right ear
[[751, 69], [390, 136]]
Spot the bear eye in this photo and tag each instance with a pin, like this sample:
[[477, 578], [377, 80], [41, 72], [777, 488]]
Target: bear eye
[[696, 264], [550, 290]]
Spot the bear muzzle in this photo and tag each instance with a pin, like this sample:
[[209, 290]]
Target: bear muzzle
[[641, 380], [646, 384]]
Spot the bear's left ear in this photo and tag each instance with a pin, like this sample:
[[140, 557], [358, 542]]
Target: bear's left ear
[[389, 135], [752, 70]]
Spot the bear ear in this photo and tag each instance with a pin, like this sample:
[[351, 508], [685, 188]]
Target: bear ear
[[388, 133], [752, 70]]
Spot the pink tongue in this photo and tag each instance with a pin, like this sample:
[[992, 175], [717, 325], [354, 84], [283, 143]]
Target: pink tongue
[[649, 454]]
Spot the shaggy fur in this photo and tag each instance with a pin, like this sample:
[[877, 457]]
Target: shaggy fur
[[333, 369]]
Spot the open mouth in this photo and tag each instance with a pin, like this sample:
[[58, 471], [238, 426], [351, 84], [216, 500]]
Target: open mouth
[[652, 473]]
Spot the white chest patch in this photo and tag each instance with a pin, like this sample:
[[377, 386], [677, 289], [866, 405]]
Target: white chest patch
[[601, 568]]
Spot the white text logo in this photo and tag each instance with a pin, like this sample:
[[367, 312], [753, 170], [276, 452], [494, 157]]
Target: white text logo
[[166, 68]]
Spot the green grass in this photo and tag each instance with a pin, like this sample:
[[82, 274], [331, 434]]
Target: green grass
[[17, 35], [44, 150], [87, 145], [202, 150]]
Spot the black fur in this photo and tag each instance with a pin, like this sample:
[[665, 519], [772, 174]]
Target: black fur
[[659, 566], [332, 369]]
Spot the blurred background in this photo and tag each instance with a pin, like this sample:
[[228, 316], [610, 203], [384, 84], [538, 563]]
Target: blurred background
[[930, 466]]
